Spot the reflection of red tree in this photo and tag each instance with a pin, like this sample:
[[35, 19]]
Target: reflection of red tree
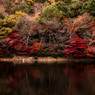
[[18, 75], [76, 74], [11, 81], [36, 73], [91, 71], [90, 68]]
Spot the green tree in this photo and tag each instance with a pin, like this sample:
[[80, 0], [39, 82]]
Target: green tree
[[89, 7], [75, 8], [53, 10]]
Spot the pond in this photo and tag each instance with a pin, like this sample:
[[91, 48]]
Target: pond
[[47, 79]]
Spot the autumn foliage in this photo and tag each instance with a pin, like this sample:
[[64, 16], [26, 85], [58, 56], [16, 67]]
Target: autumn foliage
[[75, 47], [91, 50], [52, 33], [14, 44]]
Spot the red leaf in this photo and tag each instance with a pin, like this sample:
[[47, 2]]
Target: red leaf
[[14, 35]]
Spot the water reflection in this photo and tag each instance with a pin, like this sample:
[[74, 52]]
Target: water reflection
[[45, 79]]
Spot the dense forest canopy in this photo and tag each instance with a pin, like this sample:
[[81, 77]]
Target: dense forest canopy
[[47, 28]]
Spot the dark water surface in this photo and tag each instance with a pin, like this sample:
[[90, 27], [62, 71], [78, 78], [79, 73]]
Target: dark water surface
[[45, 79]]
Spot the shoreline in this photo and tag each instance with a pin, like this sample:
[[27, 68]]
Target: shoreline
[[45, 60]]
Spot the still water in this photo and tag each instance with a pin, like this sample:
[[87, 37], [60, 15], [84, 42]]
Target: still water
[[45, 79]]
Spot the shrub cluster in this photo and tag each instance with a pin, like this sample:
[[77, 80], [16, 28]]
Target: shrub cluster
[[76, 48], [7, 24], [24, 6]]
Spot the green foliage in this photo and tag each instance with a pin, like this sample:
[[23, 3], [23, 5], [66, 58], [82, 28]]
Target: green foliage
[[23, 8], [8, 4], [89, 7], [62, 7], [46, 4], [1, 16], [67, 1], [79, 0], [75, 9], [16, 8], [36, 57], [53, 10]]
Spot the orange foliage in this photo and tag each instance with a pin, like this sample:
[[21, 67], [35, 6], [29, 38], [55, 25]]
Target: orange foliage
[[65, 18], [37, 45]]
